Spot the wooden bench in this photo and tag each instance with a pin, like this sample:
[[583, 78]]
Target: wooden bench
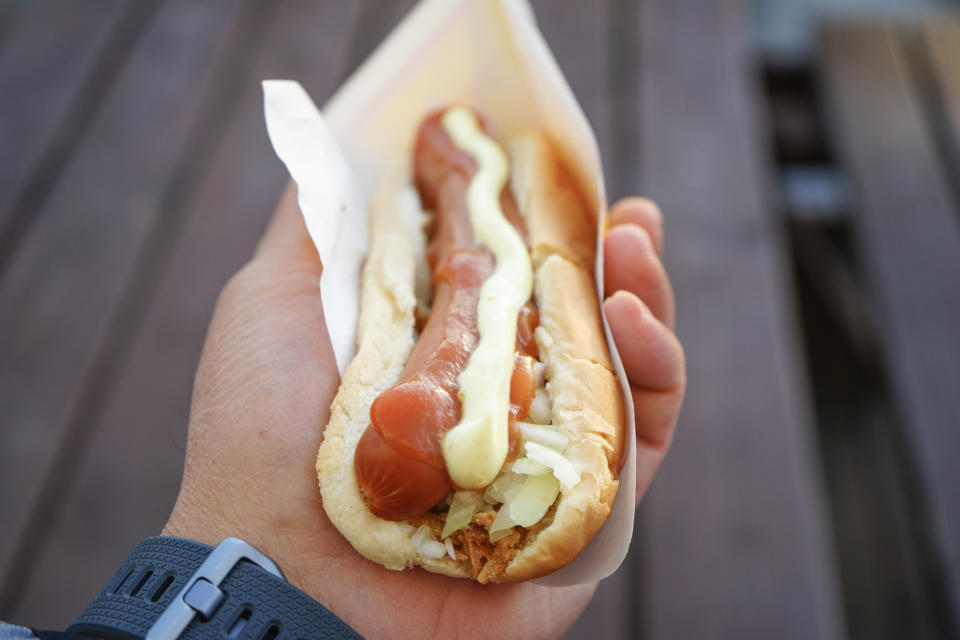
[[894, 99], [732, 539]]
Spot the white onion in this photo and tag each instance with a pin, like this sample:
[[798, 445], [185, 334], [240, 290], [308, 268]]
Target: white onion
[[540, 407], [532, 501], [501, 525], [540, 373], [542, 434], [462, 508], [562, 468], [426, 545], [501, 534], [529, 467], [503, 487], [448, 544]]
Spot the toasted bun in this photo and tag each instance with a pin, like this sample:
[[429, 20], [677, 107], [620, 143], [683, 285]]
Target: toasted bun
[[584, 393]]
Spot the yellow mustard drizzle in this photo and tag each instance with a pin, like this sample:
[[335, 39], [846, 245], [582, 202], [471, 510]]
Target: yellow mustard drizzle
[[476, 448]]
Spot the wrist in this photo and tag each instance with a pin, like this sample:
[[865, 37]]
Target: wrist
[[207, 528], [171, 587]]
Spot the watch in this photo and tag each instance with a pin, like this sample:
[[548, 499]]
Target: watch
[[174, 588]]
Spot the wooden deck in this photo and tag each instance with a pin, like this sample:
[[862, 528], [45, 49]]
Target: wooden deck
[[812, 490]]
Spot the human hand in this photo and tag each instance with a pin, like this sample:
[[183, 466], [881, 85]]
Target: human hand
[[262, 394]]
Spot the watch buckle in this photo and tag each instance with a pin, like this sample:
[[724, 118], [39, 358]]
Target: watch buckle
[[201, 595]]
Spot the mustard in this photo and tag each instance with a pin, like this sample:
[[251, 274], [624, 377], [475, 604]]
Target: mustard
[[476, 448]]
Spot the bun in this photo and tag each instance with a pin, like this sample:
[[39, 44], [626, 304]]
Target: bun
[[585, 396]]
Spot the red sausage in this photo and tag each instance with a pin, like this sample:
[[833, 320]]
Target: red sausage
[[399, 463]]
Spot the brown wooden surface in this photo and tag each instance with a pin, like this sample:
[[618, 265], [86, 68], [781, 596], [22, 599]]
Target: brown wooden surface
[[941, 40], [223, 219], [734, 527], [73, 50], [128, 222], [910, 242], [62, 291]]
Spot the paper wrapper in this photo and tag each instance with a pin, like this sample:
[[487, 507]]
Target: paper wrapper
[[484, 53]]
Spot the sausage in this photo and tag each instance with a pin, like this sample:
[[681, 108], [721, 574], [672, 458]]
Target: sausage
[[411, 415], [399, 464]]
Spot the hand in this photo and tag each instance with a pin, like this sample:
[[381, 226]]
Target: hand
[[262, 394]]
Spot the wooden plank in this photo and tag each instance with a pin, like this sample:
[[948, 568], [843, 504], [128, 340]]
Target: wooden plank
[[942, 41], [910, 244], [577, 35], [56, 67], [734, 538], [874, 514], [622, 161], [60, 291], [830, 276], [146, 416], [936, 56]]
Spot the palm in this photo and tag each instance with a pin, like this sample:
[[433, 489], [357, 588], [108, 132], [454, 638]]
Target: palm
[[275, 342], [261, 397]]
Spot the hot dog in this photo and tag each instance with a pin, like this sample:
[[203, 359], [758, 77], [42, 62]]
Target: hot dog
[[485, 441]]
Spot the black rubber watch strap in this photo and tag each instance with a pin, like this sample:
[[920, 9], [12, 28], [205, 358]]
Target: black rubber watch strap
[[255, 605]]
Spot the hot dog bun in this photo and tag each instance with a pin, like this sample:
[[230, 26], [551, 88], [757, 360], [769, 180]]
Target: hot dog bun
[[584, 394]]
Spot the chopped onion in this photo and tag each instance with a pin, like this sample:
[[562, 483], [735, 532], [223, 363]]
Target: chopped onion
[[500, 535], [462, 508], [532, 501], [503, 487], [529, 467], [426, 545], [540, 407], [448, 544], [545, 435], [501, 525], [540, 373], [562, 468]]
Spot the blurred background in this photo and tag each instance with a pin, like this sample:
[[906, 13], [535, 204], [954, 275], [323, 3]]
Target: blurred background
[[806, 154]]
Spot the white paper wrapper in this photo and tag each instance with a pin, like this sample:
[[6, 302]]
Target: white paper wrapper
[[484, 53]]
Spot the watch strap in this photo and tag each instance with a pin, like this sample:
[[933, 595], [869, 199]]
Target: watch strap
[[247, 600]]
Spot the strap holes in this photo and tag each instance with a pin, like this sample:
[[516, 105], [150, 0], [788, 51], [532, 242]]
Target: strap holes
[[271, 633], [143, 580], [237, 627], [124, 581], [159, 591]]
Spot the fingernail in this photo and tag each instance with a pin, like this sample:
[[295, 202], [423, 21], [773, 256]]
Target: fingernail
[[643, 236], [628, 298]]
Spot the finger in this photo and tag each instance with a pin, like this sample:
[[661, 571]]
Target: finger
[[656, 416], [652, 355], [642, 212], [656, 420], [286, 244], [648, 461], [631, 264]]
